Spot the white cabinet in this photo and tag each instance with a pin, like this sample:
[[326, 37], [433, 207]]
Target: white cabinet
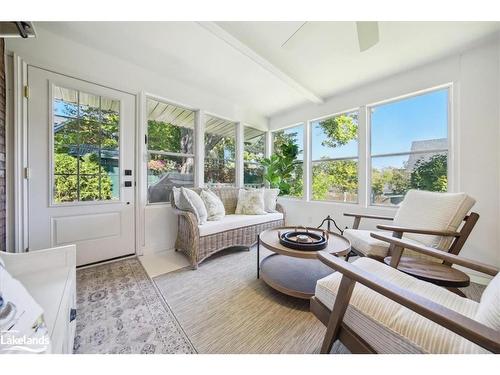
[[50, 277]]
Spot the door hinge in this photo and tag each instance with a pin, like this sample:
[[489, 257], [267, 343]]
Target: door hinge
[[26, 92], [26, 173]]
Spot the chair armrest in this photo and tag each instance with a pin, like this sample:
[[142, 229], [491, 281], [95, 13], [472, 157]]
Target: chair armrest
[[377, 217], [190, 218], [448, 257], [392, 228], [468, 328], [357, 218]]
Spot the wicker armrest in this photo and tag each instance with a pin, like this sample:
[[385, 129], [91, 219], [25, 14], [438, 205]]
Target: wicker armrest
[[190, 219], [464, 326]]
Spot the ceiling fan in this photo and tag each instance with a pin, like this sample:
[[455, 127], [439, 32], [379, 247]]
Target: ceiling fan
[[368, 34]]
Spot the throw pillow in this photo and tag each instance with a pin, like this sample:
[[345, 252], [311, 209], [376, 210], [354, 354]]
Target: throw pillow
[[190, 201], [270, 198], [177, 193], [250, 202], [215, 207]]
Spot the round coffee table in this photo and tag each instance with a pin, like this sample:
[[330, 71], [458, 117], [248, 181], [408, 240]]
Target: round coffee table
[[295, 272]]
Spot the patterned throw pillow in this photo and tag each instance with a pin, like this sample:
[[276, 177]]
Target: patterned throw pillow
[[215, 207], [270, 198], [250, 202], [190, 201]]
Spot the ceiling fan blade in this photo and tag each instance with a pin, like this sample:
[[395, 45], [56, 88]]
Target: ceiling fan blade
[[368, 34]]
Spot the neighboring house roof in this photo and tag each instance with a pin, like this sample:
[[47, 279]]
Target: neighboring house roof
[[425, 145]]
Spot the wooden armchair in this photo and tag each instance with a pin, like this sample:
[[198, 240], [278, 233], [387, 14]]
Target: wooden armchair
[[424, 218], [373, 308]]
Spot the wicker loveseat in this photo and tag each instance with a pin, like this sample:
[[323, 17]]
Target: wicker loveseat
[[198, 242]]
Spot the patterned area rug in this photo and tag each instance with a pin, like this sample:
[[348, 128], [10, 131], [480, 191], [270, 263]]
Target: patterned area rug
[[121, 311]]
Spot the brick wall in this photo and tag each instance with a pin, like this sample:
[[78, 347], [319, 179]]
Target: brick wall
[[2, 146]]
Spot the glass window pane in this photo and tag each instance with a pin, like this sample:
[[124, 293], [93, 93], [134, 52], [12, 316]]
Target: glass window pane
[[291, 179], [335, 180], [253, 175], [65, 102], [65, 188], [110, 111], [412, 124], [89, 107], [91, 188], [219, 172], [170, 128], [165, 172], [220, 150], [335, 137], [254, 144], [393, 176]]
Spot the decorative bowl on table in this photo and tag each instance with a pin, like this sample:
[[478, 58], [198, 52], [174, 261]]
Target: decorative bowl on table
[[304, 239]]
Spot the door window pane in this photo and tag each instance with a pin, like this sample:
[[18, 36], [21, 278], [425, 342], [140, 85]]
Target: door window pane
[[86, 149]]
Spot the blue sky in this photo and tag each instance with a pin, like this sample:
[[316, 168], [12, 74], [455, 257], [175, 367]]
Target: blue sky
[[394, 126]]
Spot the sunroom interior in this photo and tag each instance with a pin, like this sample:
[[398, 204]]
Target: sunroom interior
[[105, 122]]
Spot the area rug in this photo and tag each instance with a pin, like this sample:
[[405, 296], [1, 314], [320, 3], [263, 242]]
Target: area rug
[[119, 310], [223, 308]]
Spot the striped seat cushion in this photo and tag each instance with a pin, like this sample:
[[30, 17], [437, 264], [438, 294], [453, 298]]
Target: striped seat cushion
[[389, 327]]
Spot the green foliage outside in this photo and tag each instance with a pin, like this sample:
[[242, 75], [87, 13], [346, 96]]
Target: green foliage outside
[[253, 153], [66, 179], [430, 175]]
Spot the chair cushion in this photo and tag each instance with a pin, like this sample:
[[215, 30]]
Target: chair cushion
[[488, 312], [215, 207], [431, 210], [230, 222], [368, 246], [386, 325]]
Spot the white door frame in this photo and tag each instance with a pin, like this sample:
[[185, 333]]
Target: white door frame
[[21, 172]]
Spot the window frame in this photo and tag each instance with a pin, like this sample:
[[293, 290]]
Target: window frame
[[236, 151], [148, 152], [51, 178], [449, 134], [357, 158], [305, 166]]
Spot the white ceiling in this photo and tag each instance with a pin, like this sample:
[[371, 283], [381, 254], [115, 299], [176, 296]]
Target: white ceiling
[[244, 62]]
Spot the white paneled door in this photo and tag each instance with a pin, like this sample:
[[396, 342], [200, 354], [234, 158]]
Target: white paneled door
[[80, 167]]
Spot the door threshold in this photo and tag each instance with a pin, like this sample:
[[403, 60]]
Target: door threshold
[[122, 257]]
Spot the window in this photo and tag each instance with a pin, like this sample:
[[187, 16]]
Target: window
[[86, 149], [409, 146], [294, 183], [254, 146], [334, 155], [170, 141], [220, 153]]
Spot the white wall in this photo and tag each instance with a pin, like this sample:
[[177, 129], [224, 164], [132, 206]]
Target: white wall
[[64, 56], [475, 138]]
